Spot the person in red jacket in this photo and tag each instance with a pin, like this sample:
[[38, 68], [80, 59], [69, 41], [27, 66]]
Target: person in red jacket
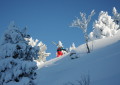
[[59, 51]]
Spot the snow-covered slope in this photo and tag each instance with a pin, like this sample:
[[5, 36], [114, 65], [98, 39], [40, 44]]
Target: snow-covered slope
[[101, 65]]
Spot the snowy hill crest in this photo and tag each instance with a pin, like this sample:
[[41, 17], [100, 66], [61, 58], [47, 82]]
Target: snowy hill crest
[[96, 67]]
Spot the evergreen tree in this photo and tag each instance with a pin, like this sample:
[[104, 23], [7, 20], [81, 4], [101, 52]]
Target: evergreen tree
[[16, 58]]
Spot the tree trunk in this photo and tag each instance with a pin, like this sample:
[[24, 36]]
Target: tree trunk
[[88, 50], [86, 39]]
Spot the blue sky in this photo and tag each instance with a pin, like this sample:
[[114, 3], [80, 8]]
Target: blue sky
[[49, 20]]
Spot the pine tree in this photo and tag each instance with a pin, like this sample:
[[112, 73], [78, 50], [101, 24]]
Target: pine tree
[[16, 58]]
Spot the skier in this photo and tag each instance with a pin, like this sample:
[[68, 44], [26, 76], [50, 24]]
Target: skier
[[60, 51]]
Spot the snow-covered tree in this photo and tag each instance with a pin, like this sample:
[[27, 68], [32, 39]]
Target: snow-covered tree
[[104, 27], [42, 54], [116, 16], [83, 24], [59, 44], [72, 47], [16, 58]]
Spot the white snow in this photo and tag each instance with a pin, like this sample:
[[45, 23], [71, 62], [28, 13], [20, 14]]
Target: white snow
[[104, 27], [101, 65]]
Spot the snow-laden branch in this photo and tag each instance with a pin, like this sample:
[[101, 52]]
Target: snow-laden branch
[[89, 17], [83, 23]]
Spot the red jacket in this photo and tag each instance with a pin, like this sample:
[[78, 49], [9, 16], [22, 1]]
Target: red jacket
[[59, 51]]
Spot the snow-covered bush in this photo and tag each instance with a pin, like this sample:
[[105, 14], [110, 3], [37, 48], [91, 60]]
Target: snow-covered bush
[[16, 57], [116, 16], [83, 24], [104, 27]]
